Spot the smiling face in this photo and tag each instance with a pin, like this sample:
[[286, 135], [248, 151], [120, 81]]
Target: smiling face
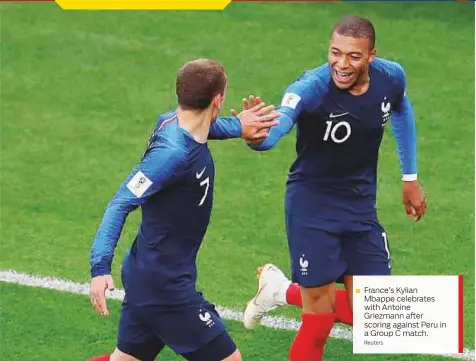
[[351, 50], [349, 58]]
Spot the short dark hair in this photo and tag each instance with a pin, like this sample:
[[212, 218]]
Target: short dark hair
[[356, 27], [198, 82]]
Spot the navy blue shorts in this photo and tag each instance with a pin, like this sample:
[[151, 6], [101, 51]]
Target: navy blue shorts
[[324, 251], [195, 332]]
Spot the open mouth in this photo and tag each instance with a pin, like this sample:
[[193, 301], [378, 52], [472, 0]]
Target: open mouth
[[343, 76]]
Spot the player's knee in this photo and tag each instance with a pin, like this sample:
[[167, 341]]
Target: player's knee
[[235, 356], [118, 355], [318, 299]]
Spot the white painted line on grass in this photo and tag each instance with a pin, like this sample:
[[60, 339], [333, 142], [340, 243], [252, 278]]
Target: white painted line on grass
[[282, 323]]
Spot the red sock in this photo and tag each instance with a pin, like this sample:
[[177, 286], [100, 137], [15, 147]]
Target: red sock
[[293, 295], [101, 358], [309, 343], [343, 310]]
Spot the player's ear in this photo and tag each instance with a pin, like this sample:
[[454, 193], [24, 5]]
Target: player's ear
[[372, 55], [217, 100]]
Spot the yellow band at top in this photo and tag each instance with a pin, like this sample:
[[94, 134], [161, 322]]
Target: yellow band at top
[[143, 4]]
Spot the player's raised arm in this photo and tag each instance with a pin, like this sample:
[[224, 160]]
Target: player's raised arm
[[225, 128], [253, 123], [303, 95], [404, 129]]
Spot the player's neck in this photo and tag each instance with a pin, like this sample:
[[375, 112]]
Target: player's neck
[[196, 123], [361, 85]]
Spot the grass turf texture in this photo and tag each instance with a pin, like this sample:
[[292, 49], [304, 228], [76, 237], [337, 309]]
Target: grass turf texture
[[74, 333], [81, 92]]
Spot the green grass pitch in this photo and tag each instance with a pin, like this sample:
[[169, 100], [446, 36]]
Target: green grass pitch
[[81, 90]]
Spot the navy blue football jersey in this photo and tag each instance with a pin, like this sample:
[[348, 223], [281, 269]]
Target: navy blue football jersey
[[173, 186], [339, 135]]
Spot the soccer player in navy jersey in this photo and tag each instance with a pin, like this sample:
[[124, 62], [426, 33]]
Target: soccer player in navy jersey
[[173, 185], [340, 110]]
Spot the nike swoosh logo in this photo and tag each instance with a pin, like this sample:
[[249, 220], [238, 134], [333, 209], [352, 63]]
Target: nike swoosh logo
[[332, 115], [199, 174], [257, 295]]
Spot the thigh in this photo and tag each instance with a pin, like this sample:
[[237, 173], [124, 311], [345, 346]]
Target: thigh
[[188, 328], [315, 250], [135, 338], [219, 349], [366, 249]]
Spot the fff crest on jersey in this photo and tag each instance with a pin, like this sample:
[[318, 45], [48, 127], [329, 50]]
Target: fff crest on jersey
[[386, 108]]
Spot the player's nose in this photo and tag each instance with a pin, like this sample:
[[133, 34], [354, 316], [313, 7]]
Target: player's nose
[[342, 63]]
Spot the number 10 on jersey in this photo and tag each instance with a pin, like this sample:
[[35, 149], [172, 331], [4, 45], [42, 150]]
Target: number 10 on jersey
[[332, 129]]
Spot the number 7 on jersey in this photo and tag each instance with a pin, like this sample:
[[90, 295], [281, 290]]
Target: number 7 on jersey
[[206, 183]]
